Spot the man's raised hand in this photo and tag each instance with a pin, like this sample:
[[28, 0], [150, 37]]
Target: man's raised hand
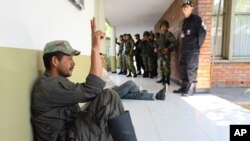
[[97, 35]]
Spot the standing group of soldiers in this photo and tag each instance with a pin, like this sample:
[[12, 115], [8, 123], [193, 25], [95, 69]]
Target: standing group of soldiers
[[147, 51], [152, 47]]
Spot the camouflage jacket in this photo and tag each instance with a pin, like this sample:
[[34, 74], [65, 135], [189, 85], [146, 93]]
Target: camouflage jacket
[[167, 40]]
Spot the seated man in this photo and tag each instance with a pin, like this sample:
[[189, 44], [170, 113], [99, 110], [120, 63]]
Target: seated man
[[129, 90], [55, 113]]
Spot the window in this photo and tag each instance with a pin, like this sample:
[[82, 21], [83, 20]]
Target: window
[[233, 33], [217, 37], [241, 40]]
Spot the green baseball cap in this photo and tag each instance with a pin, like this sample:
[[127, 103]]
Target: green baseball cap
[[61, 46], [164, 22]]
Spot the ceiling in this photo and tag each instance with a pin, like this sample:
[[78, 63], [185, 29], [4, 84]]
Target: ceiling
[[135, 12]]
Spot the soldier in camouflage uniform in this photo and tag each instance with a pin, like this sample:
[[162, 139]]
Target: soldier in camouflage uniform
[[124, 62], [129, 51], [167, 43], [146, 54], [121, 48]]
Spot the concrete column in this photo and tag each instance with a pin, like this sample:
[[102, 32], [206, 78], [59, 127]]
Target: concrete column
[[100, 19], [113, 50]]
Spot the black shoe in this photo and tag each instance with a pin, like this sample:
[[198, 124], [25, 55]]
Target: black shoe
[[161, 80], [145, 75], [129, 75], [161, 95], [190, 89], [125, 73], [151, 75], [121, 72], [135, 75], [167, 80], [180, 90]]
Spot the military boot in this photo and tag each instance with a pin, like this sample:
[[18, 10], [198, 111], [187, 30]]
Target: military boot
[[129, 74], [166, 80], [124, 72], [121, 72], [189, 90], [145, 74], [139, 73], [151, 74], [161, 80]]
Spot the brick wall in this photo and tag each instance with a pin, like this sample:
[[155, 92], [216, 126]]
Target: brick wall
[[231, 74], [175, 17]]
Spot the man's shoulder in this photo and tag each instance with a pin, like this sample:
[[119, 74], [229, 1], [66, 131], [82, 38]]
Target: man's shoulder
[[195, 17], [54, 82]]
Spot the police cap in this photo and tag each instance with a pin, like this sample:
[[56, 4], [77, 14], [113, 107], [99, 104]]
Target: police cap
[[187, 2]]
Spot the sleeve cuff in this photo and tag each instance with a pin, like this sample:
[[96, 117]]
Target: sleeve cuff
[[95, 81]]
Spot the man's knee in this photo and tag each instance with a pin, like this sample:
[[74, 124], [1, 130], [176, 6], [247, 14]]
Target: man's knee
[[131, 82], [110, 95]]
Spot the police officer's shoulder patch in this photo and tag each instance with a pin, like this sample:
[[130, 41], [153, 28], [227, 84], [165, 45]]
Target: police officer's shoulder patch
[[204, 26]]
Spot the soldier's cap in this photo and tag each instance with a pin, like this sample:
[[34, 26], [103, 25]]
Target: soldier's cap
[[146, 33], [60, 46], [164, 22], [137, 34], [187, 2]]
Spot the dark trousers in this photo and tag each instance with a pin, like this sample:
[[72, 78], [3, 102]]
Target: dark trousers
[[189, 66], [139, 62], [91, 124]]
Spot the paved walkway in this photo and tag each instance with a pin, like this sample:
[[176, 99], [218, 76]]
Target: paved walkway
[[202, 117], [232, 94]]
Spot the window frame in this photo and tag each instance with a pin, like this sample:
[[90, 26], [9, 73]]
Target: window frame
[[228, 35]]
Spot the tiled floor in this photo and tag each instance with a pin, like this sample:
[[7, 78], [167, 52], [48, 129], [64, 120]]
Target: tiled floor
[[202, 117]]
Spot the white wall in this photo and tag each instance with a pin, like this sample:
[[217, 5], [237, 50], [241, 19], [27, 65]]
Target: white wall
[[132, 30], [31, 24]]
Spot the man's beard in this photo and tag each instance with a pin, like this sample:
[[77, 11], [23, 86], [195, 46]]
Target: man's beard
[[62, 73]]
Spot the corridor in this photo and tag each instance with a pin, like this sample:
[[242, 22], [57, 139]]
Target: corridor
[[202, 117]]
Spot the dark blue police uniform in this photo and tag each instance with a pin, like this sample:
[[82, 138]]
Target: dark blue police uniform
[[193, 36]]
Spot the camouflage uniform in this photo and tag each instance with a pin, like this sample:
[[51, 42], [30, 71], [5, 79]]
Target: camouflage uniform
[[129, 50], [120, 53], [167, 43], [146, 54], [153, 56], [124, 62]]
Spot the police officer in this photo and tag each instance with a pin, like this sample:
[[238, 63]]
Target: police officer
[[167, 43], [193, 36]]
